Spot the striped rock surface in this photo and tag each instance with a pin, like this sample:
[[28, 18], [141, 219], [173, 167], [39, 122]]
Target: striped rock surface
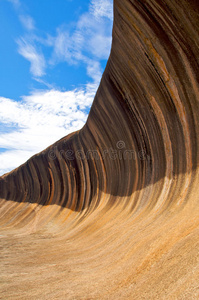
[[112, 211]]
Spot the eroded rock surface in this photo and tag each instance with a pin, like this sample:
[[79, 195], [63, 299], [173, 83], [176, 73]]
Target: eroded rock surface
[[111, 211]]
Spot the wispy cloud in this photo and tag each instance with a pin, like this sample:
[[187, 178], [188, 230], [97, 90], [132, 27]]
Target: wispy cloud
[[39, 120], [87, 43], [36, 59], [27, 22], [102, 8], [94, 70], [66, 47], [26, 44]]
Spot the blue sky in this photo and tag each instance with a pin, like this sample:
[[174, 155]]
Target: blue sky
[[52, 57]]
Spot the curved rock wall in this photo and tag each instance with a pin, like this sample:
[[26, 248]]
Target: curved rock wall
[[118, 200]]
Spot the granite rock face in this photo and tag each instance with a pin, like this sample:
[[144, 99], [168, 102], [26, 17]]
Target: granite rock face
[[114, 206]]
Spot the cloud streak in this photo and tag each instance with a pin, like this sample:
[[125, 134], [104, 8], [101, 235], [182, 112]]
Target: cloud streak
[[102, 8], [89, 42], [27, 22], [36, 59]]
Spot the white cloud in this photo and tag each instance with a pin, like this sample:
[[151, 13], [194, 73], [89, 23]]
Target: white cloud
[[66, 47], [100, 46], [27, 22], [40, 119], [102, 8], [36, 59], [89, 42], [94, 70]]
